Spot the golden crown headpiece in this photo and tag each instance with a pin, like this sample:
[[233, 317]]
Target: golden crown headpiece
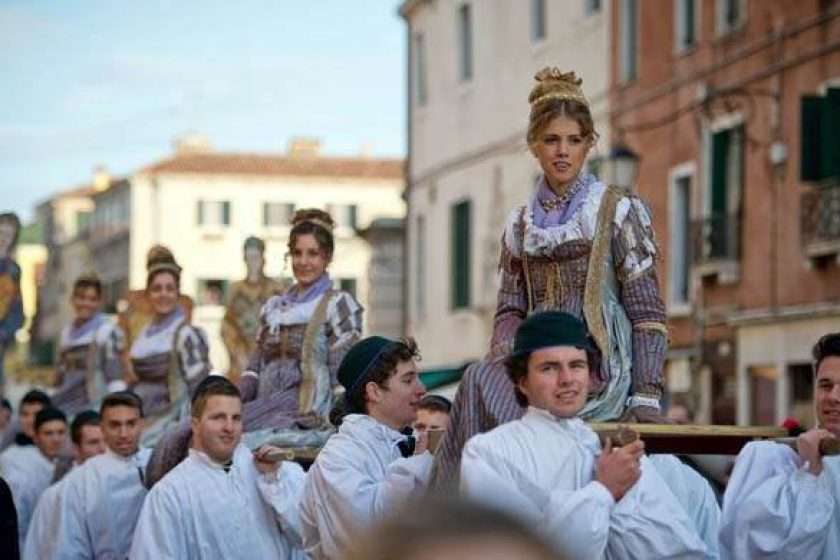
[[554, 84], [317, 221]]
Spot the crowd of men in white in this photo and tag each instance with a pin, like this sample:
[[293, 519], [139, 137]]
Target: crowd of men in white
[[548, 469]]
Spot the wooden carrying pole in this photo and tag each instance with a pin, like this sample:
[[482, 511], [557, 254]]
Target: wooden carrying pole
[[691, 439]]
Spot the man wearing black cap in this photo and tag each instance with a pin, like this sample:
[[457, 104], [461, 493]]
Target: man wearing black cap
[[548, 467], [370, 466], [29, 480]]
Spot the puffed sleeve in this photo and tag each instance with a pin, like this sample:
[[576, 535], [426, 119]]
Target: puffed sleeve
[[512, 299], [193, 355], [634, 253], [111, 348], [344, 328]]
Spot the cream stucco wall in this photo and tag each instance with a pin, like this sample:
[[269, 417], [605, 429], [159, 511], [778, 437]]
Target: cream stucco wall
[[164, 210], [467, 142], [776, 345]]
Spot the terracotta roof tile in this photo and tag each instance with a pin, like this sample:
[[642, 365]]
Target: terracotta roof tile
[[254, 164]]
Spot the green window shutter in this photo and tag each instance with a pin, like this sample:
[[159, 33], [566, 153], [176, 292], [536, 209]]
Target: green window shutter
[[830, 153], [200, 212], [265, 213], [226, 213], [720, 149], [461, 257], [810, 138], [353, 212]]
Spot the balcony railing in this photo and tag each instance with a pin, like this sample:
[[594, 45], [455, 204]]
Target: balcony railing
[[716, 238], [819, 221]]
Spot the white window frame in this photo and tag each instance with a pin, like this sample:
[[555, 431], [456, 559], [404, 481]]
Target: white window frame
[[285, 225], [421, 84], [466, 40], [543, 23], [722, 28], [684, 170], [680, 45], [628, 51], [420, 234], [720, 123]]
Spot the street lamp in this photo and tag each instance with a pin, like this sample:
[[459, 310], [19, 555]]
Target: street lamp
[[621, 166]]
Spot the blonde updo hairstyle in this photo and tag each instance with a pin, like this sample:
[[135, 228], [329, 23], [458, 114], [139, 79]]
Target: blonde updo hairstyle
[[558, 94], [315, 222], [160, 260]]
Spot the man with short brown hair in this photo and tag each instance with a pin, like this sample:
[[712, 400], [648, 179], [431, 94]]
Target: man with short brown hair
[[785, 503], [223, 500], [103, 497]]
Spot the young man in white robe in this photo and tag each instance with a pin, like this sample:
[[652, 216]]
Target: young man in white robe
[[549, 470], [222, 501], [86, 435], [785, 503], [17, 441], [102, 498], [370, 466], [29, 479]]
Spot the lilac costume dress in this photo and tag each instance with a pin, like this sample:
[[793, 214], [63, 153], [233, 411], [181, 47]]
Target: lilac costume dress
[[89, 365], [289, 381], [288, 388], [170, 358], [591, 253]]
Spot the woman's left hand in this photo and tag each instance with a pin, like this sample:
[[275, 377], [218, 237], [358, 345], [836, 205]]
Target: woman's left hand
[[644, 415]]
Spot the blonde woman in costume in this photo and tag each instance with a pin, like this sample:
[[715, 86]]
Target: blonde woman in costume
[[169, 357], [577, 246]]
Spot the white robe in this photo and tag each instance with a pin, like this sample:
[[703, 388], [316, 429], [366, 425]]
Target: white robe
[[359, 477], [199, 511], [541, 470], [102, 501], [696, 496], [28, 473], [46, 524], [774, 508]]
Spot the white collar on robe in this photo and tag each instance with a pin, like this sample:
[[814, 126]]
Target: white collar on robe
[[573, 427], [367, 428], [205, 459]]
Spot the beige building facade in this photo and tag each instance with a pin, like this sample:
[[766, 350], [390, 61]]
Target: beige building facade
[[203, 204], [471, 67]]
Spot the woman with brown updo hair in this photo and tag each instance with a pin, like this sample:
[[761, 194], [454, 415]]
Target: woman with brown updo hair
[[577, 246], [288, 385], [304, 333], [169, 357]]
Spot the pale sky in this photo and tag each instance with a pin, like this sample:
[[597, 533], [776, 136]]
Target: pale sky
[[90, 82]]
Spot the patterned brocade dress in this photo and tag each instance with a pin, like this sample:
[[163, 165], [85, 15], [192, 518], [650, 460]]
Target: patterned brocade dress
[[89, 364], [287, 388], [591, 254], [169, 359]]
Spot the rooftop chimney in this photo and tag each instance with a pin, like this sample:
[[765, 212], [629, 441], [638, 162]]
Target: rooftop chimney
[[101, 178], [191, 143], [300, 147]]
